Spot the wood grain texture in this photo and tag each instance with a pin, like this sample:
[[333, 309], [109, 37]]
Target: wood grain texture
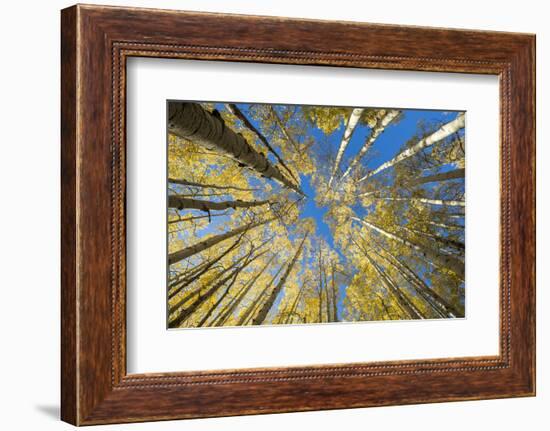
[[69, 398], [96, 41]]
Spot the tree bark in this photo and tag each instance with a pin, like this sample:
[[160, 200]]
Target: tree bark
[[179, 277], [442, 133], [368, 193], [447, 242], [376, 131], [320, 311], [209, 186], [396, 264], [184, 315], [262, 314], [192, 122], [444, 261], [181, 220], [196, 292], [240, 115], [230, 285], [321, 281], [186, 281], [384, 306], [447, 203], [220, 299], [283, 130], [213, 240], [294, 306], [334, 297], [243, 319], [445, 176], [327, 304], [353, 119], [446, 226], [224, 315], [181, 202], [323, 286], [405, 302], [450, 310]]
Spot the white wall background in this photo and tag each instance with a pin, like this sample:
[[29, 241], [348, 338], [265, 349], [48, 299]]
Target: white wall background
[[29, 219]]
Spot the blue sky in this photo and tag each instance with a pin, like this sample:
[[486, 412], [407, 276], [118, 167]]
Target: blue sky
[[310, 209]]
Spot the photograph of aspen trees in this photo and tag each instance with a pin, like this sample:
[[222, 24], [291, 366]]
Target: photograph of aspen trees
[[290, 214]]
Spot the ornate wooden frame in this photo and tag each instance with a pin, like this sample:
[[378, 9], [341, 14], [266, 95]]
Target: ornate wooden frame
[[95, 43]]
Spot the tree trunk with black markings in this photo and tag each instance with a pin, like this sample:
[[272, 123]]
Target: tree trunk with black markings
[[192, 122], [262, 314]]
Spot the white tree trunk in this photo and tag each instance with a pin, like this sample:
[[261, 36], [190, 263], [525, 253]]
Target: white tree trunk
[[456, 245], [240, 115], [252, 307], [450, 310], [377, 130], [438, 305], [192, 122], [230, 308], [209, 186], [448, 203], [401, 298], [213, 240], [283, 129], [447, 226], [181, 202], [446, 176], [262, 314], [367, 194], [353, 119], [444, 261], [445, 131], [178, 285], [203, 297]]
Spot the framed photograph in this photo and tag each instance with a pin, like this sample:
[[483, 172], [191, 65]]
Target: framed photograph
[[268, 215], [364, 246]]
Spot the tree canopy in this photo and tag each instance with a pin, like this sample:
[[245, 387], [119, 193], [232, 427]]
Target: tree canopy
[[285, 214]]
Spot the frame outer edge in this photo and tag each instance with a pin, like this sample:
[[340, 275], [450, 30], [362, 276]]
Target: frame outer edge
[[533, 54], [69, 211], [532, 79], [523, 216], [528, 61]]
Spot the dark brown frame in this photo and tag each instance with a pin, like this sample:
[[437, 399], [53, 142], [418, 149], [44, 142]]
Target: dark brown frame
[[95, 43]]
